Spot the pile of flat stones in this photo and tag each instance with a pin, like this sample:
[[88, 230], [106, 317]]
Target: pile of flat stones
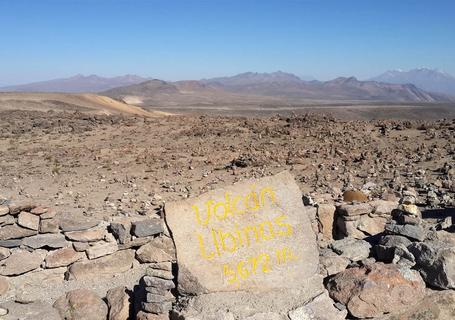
[[157, 285]]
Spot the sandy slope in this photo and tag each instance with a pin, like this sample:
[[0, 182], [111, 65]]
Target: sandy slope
[[91, 103]]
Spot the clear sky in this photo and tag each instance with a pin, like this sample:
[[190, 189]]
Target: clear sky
[[193, 39]]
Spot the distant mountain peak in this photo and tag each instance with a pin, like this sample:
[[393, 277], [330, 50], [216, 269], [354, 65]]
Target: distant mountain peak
[[433, 80]]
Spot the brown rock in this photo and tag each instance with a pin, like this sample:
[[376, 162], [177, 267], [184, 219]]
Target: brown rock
[[372, 225], [354, 209], [49, 226], [16, 207], [326, 217], [120, 261], [4, 210], [142, 315], [15, 232], [62, 257], [101, 249], [81, 304], [51, 213], [118, 302], [28, 220], [7, 220], [4, 253], [21, 261], [353, 195], [39, 210], [77, 224], [150, 253], [376, 289], [86, 235], [3, 285]]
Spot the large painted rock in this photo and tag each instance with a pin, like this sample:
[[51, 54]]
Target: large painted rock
[[252, 236]]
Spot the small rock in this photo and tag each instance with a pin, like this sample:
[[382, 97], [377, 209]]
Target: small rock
[[354, 209], [159, 273], [36, 310], [121, 232], [158, 283], [81, 304], [331, 263], [326, 217], [17, 207], [150, 253], [410, 209], [28, 220], [7, 220], [157, 308], [13, 243], [4, 210], [141, 315], [49, 226], [147, 228], [81, 246], [39, 210], [118, 302]]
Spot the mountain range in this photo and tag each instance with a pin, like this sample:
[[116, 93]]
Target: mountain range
[[428, 79], [77, 83], [251, 86]]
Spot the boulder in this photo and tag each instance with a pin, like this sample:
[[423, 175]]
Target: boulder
[[376, 289], [63, 257], [412, 232], [352, 249], [21, 261], [28, 220], [436, 305], [320, 308], [248, 236], [81, 304], [118, 302], [436, 262], [117, 262], [49, 240]]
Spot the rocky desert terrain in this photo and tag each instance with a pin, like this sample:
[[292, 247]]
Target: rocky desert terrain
[[380, 195]]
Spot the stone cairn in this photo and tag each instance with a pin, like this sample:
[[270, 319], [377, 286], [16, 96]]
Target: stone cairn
[[157, 296]]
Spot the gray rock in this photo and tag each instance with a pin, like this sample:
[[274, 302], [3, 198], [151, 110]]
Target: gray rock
[[353, 249], [413, 232], [77, 224], [21, 261], [15, 232], [46, 240], [394, 240], [436, 263], [163, 274], [145, 228], [12, 243], [332, 263], [158, 283], [49, 226], [7, 220], [156, 298], [121, 231], [4, 285], [17, 207]]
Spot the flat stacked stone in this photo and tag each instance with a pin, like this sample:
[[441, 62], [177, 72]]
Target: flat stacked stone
[[158, 283]]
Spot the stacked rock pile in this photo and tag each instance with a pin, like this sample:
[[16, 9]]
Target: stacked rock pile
[[156, 286]]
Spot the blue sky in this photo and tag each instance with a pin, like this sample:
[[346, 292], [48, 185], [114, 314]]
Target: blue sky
[[192, 39]]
